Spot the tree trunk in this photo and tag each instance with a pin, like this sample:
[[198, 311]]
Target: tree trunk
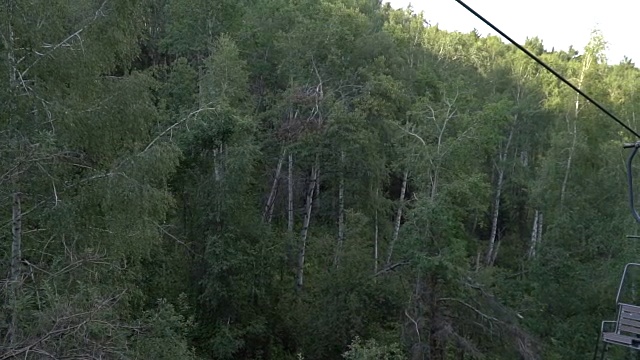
[[416, 325], [539, 233], [574, 137], [586, 64], [434, 183], [290, 196], [218, 175], [217, 163], [494, 219], [16, 264], [534, 236], [495, 251], [305, 225], [396, 227], [375, 245], [340, 214], [492, 251], [267, 214], [436, 344], [11, 59], [317, 191]]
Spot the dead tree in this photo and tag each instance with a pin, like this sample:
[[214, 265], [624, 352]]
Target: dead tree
[[396, 226], [305, 225], [492, 251], [267, 214]]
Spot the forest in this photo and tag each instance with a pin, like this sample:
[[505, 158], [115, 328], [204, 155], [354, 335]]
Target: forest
[[303, 179]]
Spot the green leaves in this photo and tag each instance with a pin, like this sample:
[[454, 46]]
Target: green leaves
[[225, 80], [371, 350], [162, 148], [163, 333]]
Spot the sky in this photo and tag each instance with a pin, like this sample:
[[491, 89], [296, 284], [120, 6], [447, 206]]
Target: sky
[[558, 23]]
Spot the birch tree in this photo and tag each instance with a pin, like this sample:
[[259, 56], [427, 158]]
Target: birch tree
[[74, 162]]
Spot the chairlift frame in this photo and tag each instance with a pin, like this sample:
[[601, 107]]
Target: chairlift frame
[[626, 328]]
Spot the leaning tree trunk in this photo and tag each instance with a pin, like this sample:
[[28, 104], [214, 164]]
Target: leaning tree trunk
[[267, 214], [492, 251], [574, 137], [495, 251], [494, 219], [396, 227], [305, 226]]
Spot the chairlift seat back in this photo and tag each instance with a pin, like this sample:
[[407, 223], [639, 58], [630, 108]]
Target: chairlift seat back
[[627, 331]]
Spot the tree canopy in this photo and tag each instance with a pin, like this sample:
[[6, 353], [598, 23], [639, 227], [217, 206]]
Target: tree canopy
[[308, 179]]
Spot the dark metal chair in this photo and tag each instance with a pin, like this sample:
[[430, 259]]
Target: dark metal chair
[[625, 330]]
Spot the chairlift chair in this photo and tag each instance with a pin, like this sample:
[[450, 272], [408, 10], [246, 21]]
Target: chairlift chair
[[625, 330]]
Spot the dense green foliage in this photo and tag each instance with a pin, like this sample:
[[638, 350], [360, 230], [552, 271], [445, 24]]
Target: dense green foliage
[[309, 179]]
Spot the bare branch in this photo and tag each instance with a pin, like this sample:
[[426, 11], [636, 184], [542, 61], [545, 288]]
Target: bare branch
[[23, 213], [63, 325], [412, 134], [483, 315], [415, 323], [177, 240], [64, 42], [194, 113], [390, 268]]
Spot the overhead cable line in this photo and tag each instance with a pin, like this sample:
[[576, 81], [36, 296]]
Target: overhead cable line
[[550, 69]]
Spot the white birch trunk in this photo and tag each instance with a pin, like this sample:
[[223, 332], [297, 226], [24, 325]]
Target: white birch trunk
[[495, 252], [267, 214], [534, 236], [574, 132], [305, 226], [492, 250], [396, 227], [494, 219], [565, 181]]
